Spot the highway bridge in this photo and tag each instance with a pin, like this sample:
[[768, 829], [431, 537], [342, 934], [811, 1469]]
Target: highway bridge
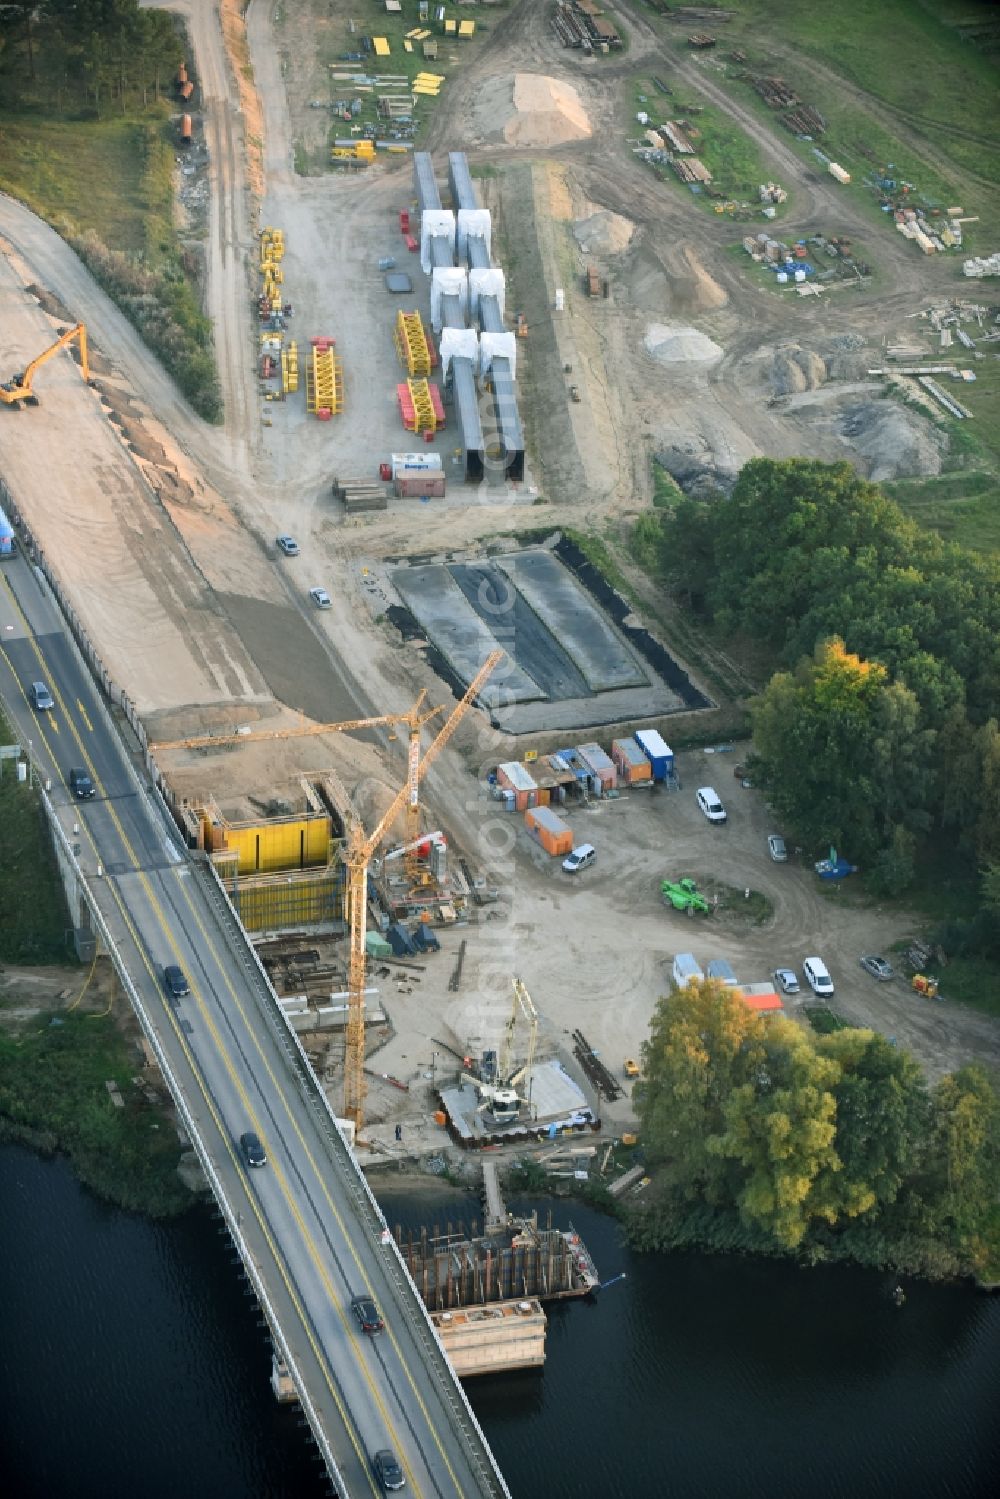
[[307, 1228]]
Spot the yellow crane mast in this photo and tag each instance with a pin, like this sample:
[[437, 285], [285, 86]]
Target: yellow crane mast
[[357, 852], [20, 386]]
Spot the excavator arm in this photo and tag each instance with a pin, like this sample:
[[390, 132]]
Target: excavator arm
[[20, 387]]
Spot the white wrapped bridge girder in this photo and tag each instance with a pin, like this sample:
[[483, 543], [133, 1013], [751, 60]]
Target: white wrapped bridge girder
[[489, 283], [448, 281], [435, 221], [458, 343], [473, 221], [493, 345]]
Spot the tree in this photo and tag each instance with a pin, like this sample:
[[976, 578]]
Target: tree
[[966, 1146], [702, 1043], [882, 1118], [780, 1127]]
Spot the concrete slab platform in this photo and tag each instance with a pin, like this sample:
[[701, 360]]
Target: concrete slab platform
[[442, 609], [497, 601], [553, 1092], [603, 659]]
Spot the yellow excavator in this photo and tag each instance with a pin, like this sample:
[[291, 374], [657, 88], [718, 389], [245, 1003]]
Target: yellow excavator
[[20, 387]]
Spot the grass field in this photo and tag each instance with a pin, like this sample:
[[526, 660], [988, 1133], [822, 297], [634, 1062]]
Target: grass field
[[33, 918], [963, 503], [734, 160], [112, 176], [903, 53]]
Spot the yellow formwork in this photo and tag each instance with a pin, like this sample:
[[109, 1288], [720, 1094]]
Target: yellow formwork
[[290, 369], [411, 343], [270, 903], [324, 382], [267, 847], [423, 410]]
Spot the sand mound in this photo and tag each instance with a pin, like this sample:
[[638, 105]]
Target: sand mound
[[603, 233], [675, 343], [531, 109]]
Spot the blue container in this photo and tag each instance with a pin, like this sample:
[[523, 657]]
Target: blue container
[[657, 752], [6, 536]]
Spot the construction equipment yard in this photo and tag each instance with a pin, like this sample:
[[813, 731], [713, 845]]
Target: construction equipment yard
[[159, 529]]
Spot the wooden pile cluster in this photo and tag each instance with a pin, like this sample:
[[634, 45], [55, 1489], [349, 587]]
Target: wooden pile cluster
[[359, 495], [674, 138], [773, 90], [569, 27], [692, 170], [804, 121]]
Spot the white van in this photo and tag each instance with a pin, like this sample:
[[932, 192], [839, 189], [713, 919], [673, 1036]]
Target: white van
[[818, 976], [686, 969], [710, 803], [580, 858]]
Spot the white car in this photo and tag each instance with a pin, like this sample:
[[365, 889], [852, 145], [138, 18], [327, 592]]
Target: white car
[[320, 598], [818, 977], [786, 980], [709, 802], [776, 848], [580, 858]]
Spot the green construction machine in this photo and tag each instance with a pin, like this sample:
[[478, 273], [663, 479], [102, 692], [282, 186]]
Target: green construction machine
[[683, 895]]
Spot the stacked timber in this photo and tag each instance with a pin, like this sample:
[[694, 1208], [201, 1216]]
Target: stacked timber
[[359, 495]]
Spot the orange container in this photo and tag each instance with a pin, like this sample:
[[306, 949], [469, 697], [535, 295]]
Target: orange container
[[551, 832], [440, 1117]]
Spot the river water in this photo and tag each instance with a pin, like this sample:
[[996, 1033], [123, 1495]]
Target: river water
[[132, 1364]]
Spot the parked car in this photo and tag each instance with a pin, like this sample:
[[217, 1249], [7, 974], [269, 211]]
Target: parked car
[[40, 696], [710, 803], [776, 848], [175, 982], [320, 598], [879, 968], [367, 1313], [288, 545], [253, 1150], [579, 859], [818, 977], [387, 1470], [786, 979], [81, 785]]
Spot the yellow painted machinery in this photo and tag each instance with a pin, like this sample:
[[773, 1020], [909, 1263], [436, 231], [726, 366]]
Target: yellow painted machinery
[[21, 387]]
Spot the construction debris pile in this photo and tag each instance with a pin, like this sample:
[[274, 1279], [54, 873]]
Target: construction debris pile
[[979, 266], [670, 145], [790, 262]]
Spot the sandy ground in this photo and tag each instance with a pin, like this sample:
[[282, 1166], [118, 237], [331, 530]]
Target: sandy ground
[[184, 521]]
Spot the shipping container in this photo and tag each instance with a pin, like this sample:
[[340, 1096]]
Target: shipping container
[[428, 485], [686, 969], [633, 767], [719, 969], [514, 777], [549, 830], [601, 765], [657, 752], [186, 131]]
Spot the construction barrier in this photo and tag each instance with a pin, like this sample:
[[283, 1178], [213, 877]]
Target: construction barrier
[[324, 380], [411, 343]]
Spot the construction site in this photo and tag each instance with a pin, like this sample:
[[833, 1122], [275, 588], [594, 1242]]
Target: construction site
[[439, 368]]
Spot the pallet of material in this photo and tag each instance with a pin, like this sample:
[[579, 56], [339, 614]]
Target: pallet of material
[[692, 170], [701, 39], [773, 90], [675, 139], [804, 121]]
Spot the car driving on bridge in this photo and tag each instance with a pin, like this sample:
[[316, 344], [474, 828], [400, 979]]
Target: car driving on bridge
[[367, 1313]]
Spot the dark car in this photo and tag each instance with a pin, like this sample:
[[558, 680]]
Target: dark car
[[367, 1313], [81, 785], [252, 1149], [387, 1470], [174, 981]]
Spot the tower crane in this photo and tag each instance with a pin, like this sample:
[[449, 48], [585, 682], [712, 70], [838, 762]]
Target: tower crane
[[357, 851], [19, 388]]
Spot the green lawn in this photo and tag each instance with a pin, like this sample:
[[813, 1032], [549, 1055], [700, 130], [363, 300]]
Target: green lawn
[[33, 918], [903, 53], [734, 160], [112, 176]]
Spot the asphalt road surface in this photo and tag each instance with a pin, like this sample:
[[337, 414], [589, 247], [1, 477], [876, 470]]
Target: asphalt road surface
[[311, 1234]]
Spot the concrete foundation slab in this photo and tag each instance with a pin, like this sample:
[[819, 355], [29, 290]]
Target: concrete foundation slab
[[552, 1092], [553, 593], [518, 628], [443, 610]]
